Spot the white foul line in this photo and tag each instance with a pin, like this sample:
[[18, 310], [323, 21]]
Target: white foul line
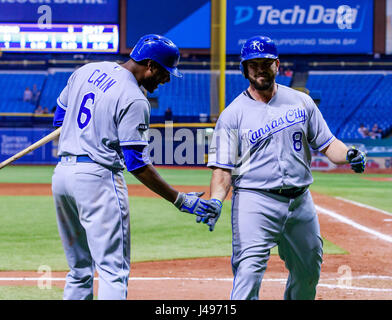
[[130, 279], [331, 286], [364, 206], [353, 224], [376, 277], [281, 280]]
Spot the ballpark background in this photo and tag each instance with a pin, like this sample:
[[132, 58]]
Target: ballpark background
[[338, 52]]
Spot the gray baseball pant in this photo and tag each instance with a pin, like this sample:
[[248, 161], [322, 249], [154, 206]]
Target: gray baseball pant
[[93, 220], [261, 221]]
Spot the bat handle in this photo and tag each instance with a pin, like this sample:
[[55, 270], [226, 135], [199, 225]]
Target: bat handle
[[53, 135]]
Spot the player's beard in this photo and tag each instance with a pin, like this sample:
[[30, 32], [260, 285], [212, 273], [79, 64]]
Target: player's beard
[[262, 85], [150, 84]]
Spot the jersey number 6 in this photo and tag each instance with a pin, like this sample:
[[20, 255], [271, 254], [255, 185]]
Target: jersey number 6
[[85, 111]]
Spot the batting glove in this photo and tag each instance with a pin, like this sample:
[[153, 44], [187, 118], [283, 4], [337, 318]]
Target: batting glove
[[357, 159], [191, 203], [213, 213]]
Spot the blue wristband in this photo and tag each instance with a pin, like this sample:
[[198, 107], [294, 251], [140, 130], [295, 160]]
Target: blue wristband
[[217, 201]]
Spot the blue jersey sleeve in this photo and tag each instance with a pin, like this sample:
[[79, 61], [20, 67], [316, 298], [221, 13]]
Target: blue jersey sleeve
[[135, 156]]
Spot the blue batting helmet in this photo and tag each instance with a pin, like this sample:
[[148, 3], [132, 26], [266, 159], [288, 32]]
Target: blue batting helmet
[[160, 49], [258, 47]]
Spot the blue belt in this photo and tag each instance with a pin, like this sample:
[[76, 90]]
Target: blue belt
[[84, 159], [81, 159]]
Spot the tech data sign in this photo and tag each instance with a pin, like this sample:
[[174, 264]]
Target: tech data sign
[[305, 27]]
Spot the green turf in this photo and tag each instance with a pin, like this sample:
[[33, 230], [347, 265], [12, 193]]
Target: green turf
[[30, 293], [350, 186], [43, 174], [26, 174], [29, 236], [353, 187], [160, 231], [188, 177]]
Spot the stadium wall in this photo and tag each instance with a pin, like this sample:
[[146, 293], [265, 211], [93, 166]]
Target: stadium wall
[[175, 144]]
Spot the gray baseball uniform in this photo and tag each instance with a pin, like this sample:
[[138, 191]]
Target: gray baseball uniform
[[267, 147], [105, 110]]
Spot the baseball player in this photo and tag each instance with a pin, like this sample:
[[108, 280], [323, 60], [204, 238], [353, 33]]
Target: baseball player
[[261, 147], [105, 121]]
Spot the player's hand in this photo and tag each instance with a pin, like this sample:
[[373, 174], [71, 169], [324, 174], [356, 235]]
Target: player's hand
[[191, 203], [357, 159], [213, 213]]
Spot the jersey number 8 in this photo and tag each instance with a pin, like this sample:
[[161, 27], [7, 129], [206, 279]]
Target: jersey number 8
[[297, 139], [85, 111]]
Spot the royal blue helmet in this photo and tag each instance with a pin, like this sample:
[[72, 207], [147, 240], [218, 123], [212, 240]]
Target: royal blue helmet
[[258, 47], [160, 49]]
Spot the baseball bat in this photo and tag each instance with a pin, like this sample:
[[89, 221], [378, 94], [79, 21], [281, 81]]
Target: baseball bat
[[36, 145]]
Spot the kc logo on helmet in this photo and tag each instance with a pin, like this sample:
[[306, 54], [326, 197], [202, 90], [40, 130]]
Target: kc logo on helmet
[[257, 45]]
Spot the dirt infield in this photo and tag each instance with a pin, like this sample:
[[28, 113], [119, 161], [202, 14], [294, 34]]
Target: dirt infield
[[364, 273]]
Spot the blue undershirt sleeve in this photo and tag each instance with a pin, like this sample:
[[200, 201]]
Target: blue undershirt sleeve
[[58, 118], [135, 156]]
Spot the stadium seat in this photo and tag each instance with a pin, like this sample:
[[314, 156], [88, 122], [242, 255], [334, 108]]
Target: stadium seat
[[375, 109], [188, 97], [13, 85], [358, 97], [343, 99], [55, 83]]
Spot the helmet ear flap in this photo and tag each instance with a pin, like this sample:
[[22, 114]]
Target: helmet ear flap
[[244, 69]]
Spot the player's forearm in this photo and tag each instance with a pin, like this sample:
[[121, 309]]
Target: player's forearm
[[220, 183], [336, 152], [152, 180]]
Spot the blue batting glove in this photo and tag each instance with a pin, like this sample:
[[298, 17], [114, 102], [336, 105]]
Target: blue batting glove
[[191, 203], [213, 213]]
